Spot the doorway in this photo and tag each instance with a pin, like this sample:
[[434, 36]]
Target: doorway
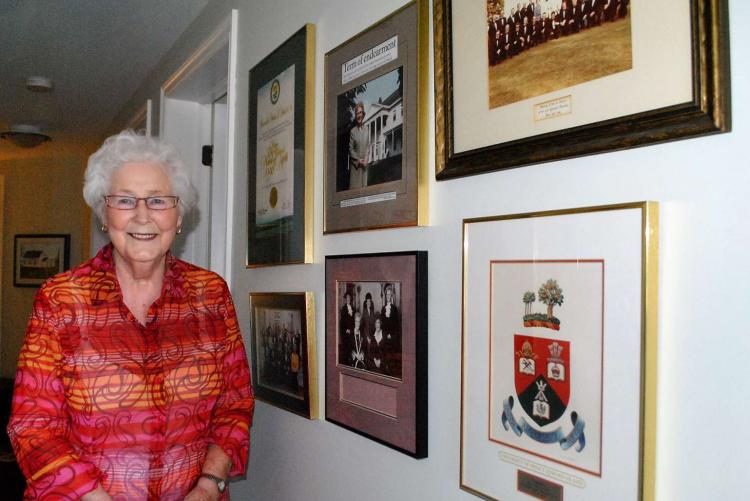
[[196, 111]]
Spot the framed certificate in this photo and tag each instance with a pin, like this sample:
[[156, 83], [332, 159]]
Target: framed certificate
[[280, 154], [559, 354]]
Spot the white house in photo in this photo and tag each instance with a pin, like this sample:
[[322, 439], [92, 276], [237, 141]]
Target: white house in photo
[[385, 123]]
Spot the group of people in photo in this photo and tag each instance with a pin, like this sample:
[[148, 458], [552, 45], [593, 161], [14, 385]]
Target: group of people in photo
[[282, 363], [538, 21], [370, 335]]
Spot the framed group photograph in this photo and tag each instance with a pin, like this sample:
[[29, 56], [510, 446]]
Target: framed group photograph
[[376, 347], [376, 116], [283, 360], [280, 154], [559, 350], [39, 257], [519, 83]]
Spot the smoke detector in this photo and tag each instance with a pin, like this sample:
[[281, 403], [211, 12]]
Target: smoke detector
[[39, 84]]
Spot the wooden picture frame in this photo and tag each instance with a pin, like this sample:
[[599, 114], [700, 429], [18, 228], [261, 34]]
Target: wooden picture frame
[[559, 350], [283, 351], [376, 172], [376, 347], [647, 92], [37, 257], [280, 154]]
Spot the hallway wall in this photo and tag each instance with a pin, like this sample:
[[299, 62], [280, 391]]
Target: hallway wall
[[702, 185], [42, 195]]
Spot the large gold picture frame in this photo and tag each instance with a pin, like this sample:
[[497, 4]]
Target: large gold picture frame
[[385, 71], [673, 90], [559, 350]]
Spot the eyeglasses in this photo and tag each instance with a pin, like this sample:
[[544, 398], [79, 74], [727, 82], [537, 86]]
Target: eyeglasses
[[130, 203]]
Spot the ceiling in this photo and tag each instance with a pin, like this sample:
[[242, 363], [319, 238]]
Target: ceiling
[[97, 52]]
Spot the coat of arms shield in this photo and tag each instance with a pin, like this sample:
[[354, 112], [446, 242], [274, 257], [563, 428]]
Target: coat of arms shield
[[542, 377]]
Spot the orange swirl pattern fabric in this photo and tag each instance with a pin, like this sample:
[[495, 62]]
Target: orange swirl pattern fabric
[[100, 398]]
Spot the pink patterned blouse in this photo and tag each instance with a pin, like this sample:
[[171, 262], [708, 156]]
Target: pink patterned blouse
[[100, 398]]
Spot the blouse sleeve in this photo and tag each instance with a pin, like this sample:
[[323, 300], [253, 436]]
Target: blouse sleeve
[[39, 423], [232, 416]]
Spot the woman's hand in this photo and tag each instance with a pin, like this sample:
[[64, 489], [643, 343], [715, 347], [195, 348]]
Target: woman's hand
[[98, 494]]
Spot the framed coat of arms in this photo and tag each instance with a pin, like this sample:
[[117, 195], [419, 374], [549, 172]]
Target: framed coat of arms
[[559, 354]]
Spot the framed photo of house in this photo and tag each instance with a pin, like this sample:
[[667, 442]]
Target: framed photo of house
[[559, 332], [283, 360], [39, 257], [376, 347], [280, 154], [519, 83], [376, 121]]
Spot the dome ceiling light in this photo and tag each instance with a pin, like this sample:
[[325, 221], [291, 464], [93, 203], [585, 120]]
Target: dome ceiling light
[[39, 84], [25, 136]]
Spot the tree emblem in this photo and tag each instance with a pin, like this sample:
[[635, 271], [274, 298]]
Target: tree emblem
[[550, 294]]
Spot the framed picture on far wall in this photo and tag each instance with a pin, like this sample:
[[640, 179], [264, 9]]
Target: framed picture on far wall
[[283, 360], [376, 347], [39, 257], [524, 82], [280, 154], [376, 121], [559, 354]]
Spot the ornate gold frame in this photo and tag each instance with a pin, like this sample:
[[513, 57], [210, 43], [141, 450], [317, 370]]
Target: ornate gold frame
[[708, 112]]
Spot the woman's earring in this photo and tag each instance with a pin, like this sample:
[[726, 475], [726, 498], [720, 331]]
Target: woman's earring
[[104, 228], [179, 230]]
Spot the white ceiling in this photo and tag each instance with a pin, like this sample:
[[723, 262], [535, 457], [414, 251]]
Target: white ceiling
[[97, 52]]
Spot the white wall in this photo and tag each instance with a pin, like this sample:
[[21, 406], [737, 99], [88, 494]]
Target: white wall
[[704, 344]]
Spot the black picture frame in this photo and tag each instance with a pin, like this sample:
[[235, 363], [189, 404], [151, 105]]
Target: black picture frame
[[286, 236], [37, 257], [389, 407]]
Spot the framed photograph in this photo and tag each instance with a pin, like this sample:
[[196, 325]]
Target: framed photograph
[[519, 83], [283, 363], [376, 347], [280, 154], [39, 257], [558, 368], [376, 123]]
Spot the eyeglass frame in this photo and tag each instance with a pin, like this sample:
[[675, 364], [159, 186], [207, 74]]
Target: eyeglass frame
[[145, 201]]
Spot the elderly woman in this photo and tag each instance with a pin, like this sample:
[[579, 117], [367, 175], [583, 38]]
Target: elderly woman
[[132, 381]]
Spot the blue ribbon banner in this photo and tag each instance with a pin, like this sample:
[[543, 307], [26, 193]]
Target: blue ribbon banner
[[519, 427]]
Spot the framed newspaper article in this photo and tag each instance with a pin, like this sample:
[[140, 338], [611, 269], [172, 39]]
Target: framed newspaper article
[[559, 354], [376, 121], [280, 154]]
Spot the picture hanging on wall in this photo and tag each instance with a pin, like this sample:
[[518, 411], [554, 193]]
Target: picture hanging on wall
[[376, 347], [280, 154], [39, 257], [559, 332], [524, 83], [376, 121], [283, 360]]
